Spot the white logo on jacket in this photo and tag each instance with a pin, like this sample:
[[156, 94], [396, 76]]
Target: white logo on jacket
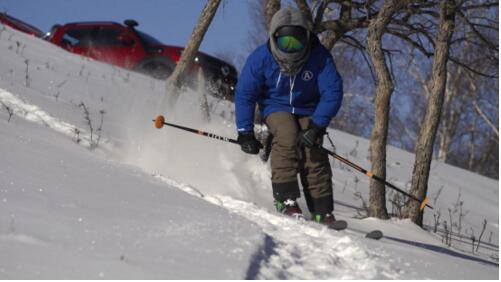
[[307, 75]]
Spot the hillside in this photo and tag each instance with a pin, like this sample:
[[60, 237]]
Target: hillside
[[90, 189]]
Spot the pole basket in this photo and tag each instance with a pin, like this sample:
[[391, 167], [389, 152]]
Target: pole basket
[[423, 204], [159, 121]]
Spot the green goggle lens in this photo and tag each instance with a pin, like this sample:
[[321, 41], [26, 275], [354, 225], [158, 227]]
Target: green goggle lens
[[289, 44]]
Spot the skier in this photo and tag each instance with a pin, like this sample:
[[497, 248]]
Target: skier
[[294, 81]]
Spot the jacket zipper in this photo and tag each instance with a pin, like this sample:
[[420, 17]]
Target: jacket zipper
[[292, 80]]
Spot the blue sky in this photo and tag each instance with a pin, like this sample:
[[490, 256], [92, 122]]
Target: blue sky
[[170, 21]]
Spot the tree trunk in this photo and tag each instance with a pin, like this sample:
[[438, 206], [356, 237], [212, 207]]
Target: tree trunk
[[472, 146], [175, 81], [479, 110], [384, 89], [427, 134], [489, 161], [443, 146], [345, 16], [451, 112], [444, 130], [305, 9], [270, 8]]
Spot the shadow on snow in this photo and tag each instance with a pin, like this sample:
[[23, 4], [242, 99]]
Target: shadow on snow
[[261, 257], [442, 250]]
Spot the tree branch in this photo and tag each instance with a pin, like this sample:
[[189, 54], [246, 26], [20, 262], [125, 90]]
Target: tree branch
[[305, 9], [361, 48], [477, 106], [320, 14], [478, 33], [487, 5]]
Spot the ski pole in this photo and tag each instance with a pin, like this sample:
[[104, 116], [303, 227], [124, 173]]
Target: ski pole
[[160, 122], [423, 203]]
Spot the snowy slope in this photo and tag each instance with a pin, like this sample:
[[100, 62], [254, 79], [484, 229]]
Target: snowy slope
[[120, 209], [66, 213]]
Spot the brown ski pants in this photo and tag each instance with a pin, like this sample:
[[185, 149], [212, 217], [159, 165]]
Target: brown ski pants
[[287, 159]]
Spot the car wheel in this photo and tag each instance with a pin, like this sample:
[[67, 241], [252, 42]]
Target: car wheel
[[158, 71], [159, 68]]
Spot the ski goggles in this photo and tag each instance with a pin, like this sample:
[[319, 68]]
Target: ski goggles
[[289, 43]]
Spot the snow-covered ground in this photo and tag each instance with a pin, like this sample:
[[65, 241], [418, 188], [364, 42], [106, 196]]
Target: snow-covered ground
[[117, 198]]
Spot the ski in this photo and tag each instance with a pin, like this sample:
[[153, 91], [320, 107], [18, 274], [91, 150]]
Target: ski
[[340, 225], [374, 234]]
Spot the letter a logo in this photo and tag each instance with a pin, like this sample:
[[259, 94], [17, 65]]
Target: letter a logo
[[307, 75]]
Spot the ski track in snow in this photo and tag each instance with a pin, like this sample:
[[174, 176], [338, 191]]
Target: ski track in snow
[[303, 250], [294, 250]]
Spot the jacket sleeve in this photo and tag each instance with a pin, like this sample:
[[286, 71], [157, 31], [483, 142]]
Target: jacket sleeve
[[248, 89], [330, 85]]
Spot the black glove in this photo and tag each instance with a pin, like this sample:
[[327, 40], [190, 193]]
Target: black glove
[[310, 137], [249, 143]]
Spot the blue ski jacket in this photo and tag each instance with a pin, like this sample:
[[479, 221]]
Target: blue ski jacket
[[316, 90]]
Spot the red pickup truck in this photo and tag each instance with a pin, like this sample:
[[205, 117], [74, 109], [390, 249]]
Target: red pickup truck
[[127, 47]]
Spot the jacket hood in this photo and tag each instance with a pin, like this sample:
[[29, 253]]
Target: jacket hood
[[290, 63], [289, 16]]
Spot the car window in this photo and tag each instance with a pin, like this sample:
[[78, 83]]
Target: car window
[[108, 37], [78, 37], [148, 39], [93, 36]]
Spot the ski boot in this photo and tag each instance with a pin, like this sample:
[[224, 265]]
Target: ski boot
[[289, 207], [330, 221]]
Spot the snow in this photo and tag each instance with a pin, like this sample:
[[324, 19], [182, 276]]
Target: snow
[[135, 202], [65, 209]]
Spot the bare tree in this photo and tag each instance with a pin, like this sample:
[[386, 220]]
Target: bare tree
[[461, 104], [271, 7], [453, 109], [305, 9], [478, 109], [384, 89], [259, 29], [474, 54], [410, 43], [9, 110], [175, 81], [484, 225], [427, 134]]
